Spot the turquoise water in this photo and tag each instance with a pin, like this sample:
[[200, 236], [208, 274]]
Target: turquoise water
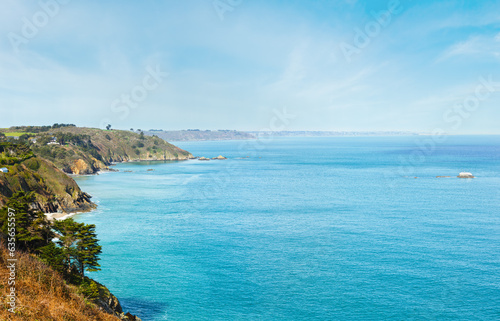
[[305, 229]]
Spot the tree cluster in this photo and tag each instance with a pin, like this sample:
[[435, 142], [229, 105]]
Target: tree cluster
[[13, 153], [68, 246], [40, 129]]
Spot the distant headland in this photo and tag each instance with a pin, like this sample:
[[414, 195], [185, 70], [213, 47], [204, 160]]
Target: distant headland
[[226, 134]]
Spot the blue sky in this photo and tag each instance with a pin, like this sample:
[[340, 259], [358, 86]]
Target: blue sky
[[233, 64]]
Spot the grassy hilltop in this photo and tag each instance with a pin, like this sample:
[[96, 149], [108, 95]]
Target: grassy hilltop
[[79, 150]]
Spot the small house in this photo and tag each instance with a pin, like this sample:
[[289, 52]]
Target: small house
[[53, 141], [4, 170]]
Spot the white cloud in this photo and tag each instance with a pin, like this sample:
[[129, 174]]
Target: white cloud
[[478, 45]]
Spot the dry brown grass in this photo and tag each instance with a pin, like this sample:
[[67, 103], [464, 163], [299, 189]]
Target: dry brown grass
[[42, 294]]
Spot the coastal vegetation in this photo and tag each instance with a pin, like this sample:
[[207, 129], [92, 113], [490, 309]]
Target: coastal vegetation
[[43, 294], [52, 270], [77, 247], [78, 150], [52, 189], [11, 154]]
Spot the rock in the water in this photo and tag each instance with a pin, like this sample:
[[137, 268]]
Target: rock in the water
[[203, 159], [130, 317], [465, 175], [219, 157]]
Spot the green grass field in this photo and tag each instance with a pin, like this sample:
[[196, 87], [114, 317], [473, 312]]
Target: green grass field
[[17, 134]]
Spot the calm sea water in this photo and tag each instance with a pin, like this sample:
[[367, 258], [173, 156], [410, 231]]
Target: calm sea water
[[305, 229]]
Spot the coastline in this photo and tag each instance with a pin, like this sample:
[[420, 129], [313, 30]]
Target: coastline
[[64, 215], [60, 216]]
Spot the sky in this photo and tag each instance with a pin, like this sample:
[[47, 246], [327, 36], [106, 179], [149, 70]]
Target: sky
[[347, 65]]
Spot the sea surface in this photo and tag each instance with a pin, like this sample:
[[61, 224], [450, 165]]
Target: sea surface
[[333, 228]]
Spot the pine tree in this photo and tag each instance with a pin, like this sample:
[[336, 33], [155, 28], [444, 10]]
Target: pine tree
[[79, 244], [66, 231], [54, 256], [88, 249], [32, 229]]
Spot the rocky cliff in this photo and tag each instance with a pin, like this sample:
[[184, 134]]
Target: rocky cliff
[[54, 190], [109, 303]]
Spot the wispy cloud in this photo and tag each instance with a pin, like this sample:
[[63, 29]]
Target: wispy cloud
[[478, 46]]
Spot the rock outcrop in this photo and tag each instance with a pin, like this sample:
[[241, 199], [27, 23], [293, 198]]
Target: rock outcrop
[[54, 190], [110, 304], [465, 175]]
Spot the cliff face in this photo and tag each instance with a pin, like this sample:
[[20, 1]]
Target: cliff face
[[54, 190], [109, 303]]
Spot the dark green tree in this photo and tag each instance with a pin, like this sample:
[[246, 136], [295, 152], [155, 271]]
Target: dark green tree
[[32, 229], [79, 244], [54, 256], [66, 232], [88, 249]]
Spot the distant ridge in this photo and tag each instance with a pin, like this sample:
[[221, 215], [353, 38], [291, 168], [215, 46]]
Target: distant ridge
[[200, 135], [197, 134]]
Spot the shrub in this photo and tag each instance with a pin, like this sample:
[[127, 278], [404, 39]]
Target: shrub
[[33, 164]]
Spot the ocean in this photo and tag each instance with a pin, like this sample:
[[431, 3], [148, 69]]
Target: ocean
[[331, 228]]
